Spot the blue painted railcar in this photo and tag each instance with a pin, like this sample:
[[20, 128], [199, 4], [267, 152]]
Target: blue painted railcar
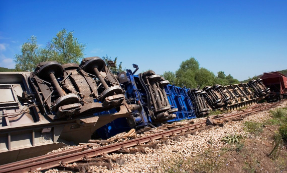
[[178, 98], [158, 100]]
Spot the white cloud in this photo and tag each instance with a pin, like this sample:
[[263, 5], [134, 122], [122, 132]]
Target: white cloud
[[6, 62], [2, 47], [2, 56]]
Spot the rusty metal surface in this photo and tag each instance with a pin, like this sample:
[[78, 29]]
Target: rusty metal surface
[[157, 103], [69, 90], [197, 97], [276, 81]]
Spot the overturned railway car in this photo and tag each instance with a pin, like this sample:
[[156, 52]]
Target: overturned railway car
[[56, 105], [162, 102], [68, 104], [159, 102], [277, 83]]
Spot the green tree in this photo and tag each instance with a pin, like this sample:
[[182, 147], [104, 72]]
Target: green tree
[[29, 57], [63, 48], [284, 72], [3, 69], [190, 64], [185, 75], [222, 79], [187, 79], [231, 80], [116, 68], [204, 77], [221, 75], [170, 76]]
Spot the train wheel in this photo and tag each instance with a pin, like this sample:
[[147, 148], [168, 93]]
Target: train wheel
[[88, 64], [44, 69]]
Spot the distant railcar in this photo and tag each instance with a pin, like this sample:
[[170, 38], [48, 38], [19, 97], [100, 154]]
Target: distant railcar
[[277, 83]]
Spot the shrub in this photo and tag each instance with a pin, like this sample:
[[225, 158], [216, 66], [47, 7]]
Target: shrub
[[232, 139], [283, 132], [277, 142], [279, 113]]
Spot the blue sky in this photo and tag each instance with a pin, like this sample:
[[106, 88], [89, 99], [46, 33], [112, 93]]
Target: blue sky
[[242, 38]]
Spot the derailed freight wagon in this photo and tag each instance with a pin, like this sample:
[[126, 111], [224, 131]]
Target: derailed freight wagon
[[277, 83], [56, 105], [159, 102]]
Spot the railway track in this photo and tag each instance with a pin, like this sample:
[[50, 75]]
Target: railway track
[[84, 152]]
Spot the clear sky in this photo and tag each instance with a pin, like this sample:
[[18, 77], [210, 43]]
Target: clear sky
[[240, 37]]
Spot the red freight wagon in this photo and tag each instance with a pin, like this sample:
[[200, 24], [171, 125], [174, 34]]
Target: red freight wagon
[[277, 83]]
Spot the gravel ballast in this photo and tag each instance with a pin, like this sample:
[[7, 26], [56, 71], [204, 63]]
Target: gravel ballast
[[189, 145]]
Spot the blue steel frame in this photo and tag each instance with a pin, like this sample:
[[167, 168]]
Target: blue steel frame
[[177, 97], [140, 117]]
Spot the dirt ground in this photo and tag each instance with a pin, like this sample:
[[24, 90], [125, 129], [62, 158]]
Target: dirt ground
[[252, 154], [254, 146]]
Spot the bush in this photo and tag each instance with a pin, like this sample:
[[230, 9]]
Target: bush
[[279, 117], [277, 142], [232, 139], [279, 113], [283, 132]]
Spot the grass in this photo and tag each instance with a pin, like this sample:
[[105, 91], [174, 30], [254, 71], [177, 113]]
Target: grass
[[278, 113], [282, 163], [254, 128], [242, 108], [279, 118], [232, 139], [209, 161], [235, 142], [216, 112], [175, 164], [277, 142], [212, 160], [283, 132], [251, 164]]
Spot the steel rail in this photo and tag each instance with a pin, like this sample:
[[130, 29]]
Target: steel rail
[[73, 155], [46, 163], [246, 113], [43, 157]]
